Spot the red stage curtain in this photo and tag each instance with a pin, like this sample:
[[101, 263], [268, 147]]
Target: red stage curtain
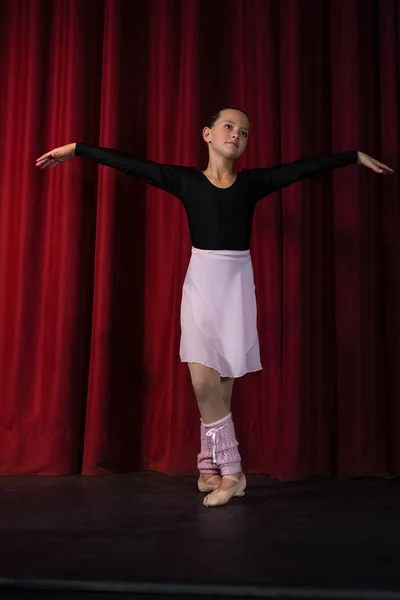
[[92, 261]]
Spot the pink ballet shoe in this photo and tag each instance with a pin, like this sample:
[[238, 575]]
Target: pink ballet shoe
[[207, 486], [220, 497]]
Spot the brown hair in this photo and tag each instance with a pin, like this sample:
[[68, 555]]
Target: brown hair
[[217, 115]]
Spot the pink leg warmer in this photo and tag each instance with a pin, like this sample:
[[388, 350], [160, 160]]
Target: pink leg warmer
[[205, 458], [224, 446]]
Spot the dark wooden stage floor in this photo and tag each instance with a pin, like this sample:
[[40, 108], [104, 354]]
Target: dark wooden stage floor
[[147, 535]]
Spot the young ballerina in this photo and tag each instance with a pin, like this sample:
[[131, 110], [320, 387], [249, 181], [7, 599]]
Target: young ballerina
[[219, 338]]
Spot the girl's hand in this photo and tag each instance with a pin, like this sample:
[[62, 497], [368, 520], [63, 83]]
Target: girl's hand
[[54, 157], [371, 163]]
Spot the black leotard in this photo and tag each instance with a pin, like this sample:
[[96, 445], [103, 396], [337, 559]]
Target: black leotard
[[219, 218]]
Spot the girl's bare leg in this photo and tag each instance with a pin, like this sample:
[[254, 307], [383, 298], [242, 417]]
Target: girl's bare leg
[[226, 389], [207, 388]]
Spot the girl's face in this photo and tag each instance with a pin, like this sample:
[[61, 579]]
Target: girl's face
[[229, 135]]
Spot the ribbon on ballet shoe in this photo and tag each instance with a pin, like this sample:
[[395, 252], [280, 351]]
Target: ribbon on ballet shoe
[[221, 497], [209, 485]]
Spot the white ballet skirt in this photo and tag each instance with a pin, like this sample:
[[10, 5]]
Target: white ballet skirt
[[219, 312]]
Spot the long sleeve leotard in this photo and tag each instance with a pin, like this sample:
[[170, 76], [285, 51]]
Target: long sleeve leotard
[[219, 218]]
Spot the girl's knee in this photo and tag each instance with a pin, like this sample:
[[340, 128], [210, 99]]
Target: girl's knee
[[203, 387], [205, 381]]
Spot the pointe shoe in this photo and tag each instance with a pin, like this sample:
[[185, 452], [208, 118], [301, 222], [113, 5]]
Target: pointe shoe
[[220, 497], [206, 486]]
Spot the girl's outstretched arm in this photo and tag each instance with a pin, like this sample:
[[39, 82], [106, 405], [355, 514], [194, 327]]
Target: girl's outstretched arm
[[268, 180], [169, 178]]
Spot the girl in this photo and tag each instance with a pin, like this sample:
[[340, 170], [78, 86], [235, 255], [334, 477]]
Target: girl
[[219, 338]]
